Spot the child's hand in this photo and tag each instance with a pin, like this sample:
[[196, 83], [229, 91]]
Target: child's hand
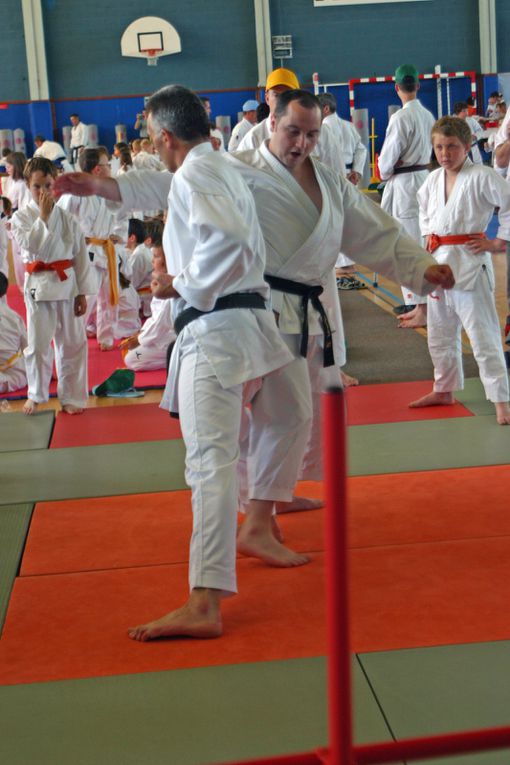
[[115, 239], [478, 246], [46, 204], [80, 305], [130, 342], [162, 285]]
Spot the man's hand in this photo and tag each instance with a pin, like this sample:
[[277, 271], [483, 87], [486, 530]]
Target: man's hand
[[353, 177], [80, 305], [440, 275], [78, 184], [46, 205], [162, 285]]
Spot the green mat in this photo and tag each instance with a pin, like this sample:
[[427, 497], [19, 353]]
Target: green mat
[[378, 351], [473, 398], [185, 717], [92, 471], [20, 432], [428, 691], [427, 445], [14, 523]]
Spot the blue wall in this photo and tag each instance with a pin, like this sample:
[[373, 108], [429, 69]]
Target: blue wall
[[342, 42], [83, 46]]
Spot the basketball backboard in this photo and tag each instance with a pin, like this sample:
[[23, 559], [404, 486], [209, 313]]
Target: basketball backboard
[[150, 37]]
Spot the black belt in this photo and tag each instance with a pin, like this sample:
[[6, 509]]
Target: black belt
[[409, 169], [235, 300], [308, 293], [348, 165]]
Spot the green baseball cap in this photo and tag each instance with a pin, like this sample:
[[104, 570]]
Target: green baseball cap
[[406, 71]]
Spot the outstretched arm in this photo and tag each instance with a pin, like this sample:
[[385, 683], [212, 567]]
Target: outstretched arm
[[86, 185]]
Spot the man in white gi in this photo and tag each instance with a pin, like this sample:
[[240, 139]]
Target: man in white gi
[[78, 137], [403, 164], [307, 213], [327, 149], [49, 149], [355, 157], [227, 338], [502, 165], [248, 121]]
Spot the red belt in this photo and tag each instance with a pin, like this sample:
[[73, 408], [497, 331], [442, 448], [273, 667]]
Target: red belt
[[435, 241], [57, 265]]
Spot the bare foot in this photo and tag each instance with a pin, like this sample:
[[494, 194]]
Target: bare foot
[[259, 542], [30, 406], [298, 504], [277, 532], [106, 347], [348, 381], [414, 319], [72, 409], [433, 399], [200, 617], [90, 332], [503, 413]]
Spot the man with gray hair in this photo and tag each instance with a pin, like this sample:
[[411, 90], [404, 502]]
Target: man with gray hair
[[227, 340]]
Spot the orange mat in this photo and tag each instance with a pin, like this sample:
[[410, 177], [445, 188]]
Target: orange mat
[[153, 529], [74, 625], [389, 402], [115, 425]]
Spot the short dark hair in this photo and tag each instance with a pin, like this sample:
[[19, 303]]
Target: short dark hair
[[7, 205], [303, 97], [327, 99], [89, 158], [74, 115], [459, 107], [136, 228], [180, 111], [154, 230], [3, 284], [453, 127], [121, 145], [40, 138], [262, 111], [408, 84], [39, 165], [125, 157]]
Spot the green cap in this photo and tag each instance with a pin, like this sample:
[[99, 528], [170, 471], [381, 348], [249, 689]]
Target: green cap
[[406, 71]]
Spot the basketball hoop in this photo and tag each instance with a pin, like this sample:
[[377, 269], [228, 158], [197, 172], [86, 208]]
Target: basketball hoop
[[152, 55]]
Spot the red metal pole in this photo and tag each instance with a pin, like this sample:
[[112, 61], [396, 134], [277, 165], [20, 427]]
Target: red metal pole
[[433, 746], [337, 579]]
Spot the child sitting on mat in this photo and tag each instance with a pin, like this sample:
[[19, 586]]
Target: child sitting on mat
[[457, 202], [57, 278], [13, 339]]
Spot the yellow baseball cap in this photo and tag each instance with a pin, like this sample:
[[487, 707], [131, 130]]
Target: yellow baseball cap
[[282, 76]]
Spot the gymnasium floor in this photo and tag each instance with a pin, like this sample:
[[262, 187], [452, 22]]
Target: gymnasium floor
[[94, 522]]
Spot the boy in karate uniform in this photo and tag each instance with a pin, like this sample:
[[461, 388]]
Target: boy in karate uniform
[[457, 202], [57, 278], [13, 339]]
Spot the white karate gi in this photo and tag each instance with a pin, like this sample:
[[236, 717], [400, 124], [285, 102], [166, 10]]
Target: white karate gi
[[4, 243], [13, 339], [469, 209], [50, 150], [476, 133], [17, 192], [78, 140], [238, 133], [128, 310], [214, 247], [96, 220], [355, 157], [408, 142], [140, 260], [302, 245], [146, 161], [50, 304], [156, 335]]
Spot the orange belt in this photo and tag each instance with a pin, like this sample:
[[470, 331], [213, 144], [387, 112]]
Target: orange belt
[[435, 241], [57, 265], [111, 260], [10, 361], [144, 291]]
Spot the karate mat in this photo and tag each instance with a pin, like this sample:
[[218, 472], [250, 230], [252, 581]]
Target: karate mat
[[19, 432], [154, 529], [245, 710], [428, 691], [389, 402], [403, 596], [115, 425], [92, 471], [14, 522]]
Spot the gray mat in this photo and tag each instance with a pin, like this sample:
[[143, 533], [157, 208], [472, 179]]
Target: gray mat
[[14, 523], [92, 471], [184, 717], [428, 691], [428, 445], [473, 397], [379, 352], [19, 432]]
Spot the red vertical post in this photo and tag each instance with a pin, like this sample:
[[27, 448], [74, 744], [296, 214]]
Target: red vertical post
[[337, 578]]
